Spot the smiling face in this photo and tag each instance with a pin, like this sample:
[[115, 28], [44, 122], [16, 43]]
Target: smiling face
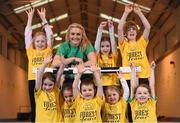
[[39, 41], [131, 33], [68, 96], [105, 47], [75, 36], [112, 96], [47, 85], [88, 91], [142, 94]]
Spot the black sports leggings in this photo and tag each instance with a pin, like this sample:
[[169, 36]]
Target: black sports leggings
[[32, 99]]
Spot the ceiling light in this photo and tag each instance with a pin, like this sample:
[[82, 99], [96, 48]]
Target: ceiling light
[[58, 38], [31, 5], [51, 20], [102, 15], [126, 2], [57, 18], [113, 19]]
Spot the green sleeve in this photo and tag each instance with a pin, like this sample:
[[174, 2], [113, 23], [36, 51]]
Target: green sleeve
[[62, 50], [89, 49]]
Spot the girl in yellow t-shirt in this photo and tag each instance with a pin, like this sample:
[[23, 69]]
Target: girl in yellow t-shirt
[[37, 48], [89, 99], [106, 53], [68, 108], [143, 99], [47, 95], [115, 107]]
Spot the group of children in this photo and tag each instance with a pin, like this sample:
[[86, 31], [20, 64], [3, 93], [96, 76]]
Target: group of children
[[105, 97]]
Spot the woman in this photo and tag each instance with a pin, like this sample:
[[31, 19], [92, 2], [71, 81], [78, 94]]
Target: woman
[[75, 49]]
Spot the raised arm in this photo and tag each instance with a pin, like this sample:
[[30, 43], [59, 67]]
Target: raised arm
[[111, 35], [128, 9], [145, 22], [99, 35], [28, 29], [152, 79], [60, 77], [134, 83], [124, 85], [77, 79], [48, 30], [97, 73], [40, 72]]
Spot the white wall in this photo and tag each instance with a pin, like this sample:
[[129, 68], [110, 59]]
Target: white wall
[[168, 85], [13, 90]]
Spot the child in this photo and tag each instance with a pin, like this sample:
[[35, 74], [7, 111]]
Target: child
[[47, 95], [106, 53], [143, 99], [88, 103], [133, 50], [68, 108], [115, 106], [37, 48]]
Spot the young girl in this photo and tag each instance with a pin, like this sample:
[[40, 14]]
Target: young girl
[[132, 50], [115, 106], [47, 95], [88, 103], [37, 48], [143, 99], [106, 53], [68, 108]]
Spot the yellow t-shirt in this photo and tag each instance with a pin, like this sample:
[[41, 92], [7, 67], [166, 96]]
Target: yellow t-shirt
[[47, 106], [145, 112], [135, 52], [108, 61], [115, 113], [68, 112], [36, 59], [88, 110]]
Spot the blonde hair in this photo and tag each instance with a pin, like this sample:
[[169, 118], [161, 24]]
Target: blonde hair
[[36, 35], [85, 41]]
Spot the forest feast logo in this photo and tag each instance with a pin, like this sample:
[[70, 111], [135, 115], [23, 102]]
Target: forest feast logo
[[37, 60], [69, 113], [50, 104], [141, 113], [89, 113], [112, 117], [137, 55]]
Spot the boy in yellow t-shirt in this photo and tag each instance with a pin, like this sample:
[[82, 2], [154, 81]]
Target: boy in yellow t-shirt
[[142, 99], [133, 50], [88, 103], [115, 107], [47, 95]]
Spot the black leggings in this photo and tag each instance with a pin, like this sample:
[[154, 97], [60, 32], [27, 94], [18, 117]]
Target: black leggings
[[32, 99]]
